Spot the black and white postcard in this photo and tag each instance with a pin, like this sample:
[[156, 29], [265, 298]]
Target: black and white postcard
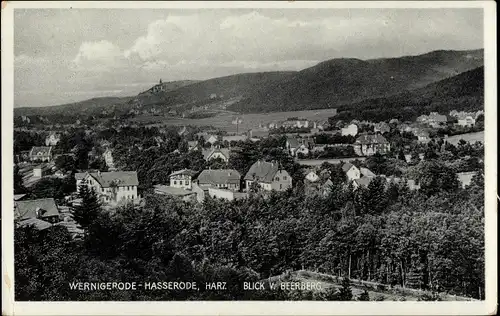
[[244, 158]]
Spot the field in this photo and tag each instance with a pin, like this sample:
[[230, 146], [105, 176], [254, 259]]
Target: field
[[470, 137], [249, 121]]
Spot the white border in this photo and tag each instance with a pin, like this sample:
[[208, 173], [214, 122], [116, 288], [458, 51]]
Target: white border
[[9, 307]]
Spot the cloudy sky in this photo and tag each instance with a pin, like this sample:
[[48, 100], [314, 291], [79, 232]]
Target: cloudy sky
[[67, 55]]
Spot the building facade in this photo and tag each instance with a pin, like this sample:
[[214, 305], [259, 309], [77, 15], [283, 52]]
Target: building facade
[[269, 176]]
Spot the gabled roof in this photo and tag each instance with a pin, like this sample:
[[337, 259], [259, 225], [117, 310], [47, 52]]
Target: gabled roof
[[371, 139], [366, 172], [209, 152], [219, 176], [262, 171], [365, 181], [119, 178], [40, 150], [187, 172], [28, 208], [347, 166], [38, 223]]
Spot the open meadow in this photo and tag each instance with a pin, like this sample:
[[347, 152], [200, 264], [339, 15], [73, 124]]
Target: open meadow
[[469, 137], [249, 121]]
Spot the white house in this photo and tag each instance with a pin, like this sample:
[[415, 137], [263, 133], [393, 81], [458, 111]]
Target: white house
[[111, 187], [52, 139], [352, 172], [351, 130], [41, 153], [269, 176], [467, 120], [311, 176], [182, 179]]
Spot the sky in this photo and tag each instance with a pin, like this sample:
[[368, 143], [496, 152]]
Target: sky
[[68, 55]]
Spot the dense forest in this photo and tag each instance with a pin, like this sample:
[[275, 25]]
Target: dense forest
[[432, 239]]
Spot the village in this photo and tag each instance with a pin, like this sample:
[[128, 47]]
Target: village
[[315, 146]]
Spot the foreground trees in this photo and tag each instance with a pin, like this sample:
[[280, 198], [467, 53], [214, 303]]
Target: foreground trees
[[411, 239]]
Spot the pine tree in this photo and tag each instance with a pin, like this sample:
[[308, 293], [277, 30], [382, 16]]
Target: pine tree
[[345, 293], [364, 296], [88, 210]]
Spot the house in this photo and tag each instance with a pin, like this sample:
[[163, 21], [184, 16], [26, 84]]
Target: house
[[352, 172], [434, 119], [108, 158], [363, 181], [365, 172], [212, 139], [367, 145], [326, 187], [413, 185], [274, 125], [311, 176], [39, 171], [52, 139], [182, 179], [465, 178], [381, 128], [291, 145], [466, 120], [214, 153], [422, 136], [111, 187], [183, 129], [185, 195], [37, 210], [220, 178], [351, 130], [193, 145], [41, 153], [269, 176]]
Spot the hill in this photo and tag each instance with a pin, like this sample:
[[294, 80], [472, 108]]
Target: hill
[[223, 88], [342, 81], [81, 107], [464, 91]]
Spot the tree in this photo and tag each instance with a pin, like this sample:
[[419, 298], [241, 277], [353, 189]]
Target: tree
[[89, 208], [345, 293], [435, 177], [65, 162], [19, 187], [364, 296]]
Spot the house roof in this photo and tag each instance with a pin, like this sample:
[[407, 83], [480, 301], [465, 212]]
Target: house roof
[[120, 178], [187, 172], [347, 166], [192, 143], [209, 152], [365, 181], [366, 172], [168, 190], [80, 175], [38, 223], [371, 139], [17, 197], [293, 142], [40, 150], [28, 208], [219, 176], [262, 171], [261, 132]]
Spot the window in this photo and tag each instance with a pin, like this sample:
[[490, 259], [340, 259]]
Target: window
[[180, 182], [187, 182], [277, 179], [175, 182], [281, 186], [284, 178]]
